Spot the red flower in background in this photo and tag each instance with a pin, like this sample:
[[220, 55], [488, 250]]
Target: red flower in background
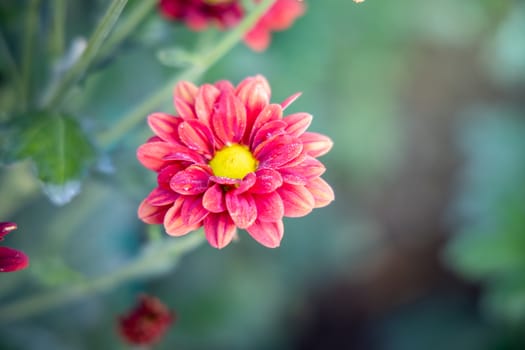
[[197, 14], [279, 17], [146, 323], [231, 160], [11, 259]]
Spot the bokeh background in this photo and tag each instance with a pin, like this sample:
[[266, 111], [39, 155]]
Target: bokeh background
[[424, 246]]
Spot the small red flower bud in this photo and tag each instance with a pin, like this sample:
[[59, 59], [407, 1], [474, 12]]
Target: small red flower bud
[[11, 259], [147, 322]]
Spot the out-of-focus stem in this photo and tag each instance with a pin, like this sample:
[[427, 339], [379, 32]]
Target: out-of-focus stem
[[81, 65], [153, 260], [127, 25], [58, 31], [129, 121], [27, 51]]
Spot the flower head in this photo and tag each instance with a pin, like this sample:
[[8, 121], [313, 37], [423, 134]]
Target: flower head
[[229, 160], [11, 259], [198, 14], [146, 323]]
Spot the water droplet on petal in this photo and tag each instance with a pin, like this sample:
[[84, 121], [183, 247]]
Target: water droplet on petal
[[61, 194]]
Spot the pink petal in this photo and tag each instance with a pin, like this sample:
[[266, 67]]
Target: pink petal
[[270, 207], [321, 191], [268, 180], [196, 135], [242, 208], [154, 139], [277, 151], [258, 39], [12, 260], [186, 91], [254, 93], [300, 159], [219, 230], [301, 174], [268, 114], [205, 101], [184, 109], [151, 214], [160, 196], [183, 153], [246, 183], [6, 228], [293, 178], [192, 181], [174, 224], [229, 119], [290, 100], [165, 126], [166, 173], [267, 131], [316, 144], [297, 200], [283, 13], [213, 199], [269, 234], [192, 211], [297, 123], [224, 85], [151, 154]]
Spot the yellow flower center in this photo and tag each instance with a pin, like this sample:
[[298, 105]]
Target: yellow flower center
[[233, 161]]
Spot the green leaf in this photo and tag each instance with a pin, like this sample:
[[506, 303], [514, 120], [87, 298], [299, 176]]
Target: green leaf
[[480, 255], [58, 147], [492, 251]]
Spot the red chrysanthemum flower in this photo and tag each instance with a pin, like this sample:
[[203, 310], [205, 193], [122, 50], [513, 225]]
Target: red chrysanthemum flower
[[147, 322], [11, 259], [231, 160], [279, 17], [197, 14]]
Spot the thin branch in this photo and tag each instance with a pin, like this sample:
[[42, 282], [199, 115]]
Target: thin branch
[[82, 64], [157, 258]]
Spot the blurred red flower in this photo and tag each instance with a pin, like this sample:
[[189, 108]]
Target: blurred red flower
[[147, 322], [231, 160], [279, 17], [11, 259], [198, 14]]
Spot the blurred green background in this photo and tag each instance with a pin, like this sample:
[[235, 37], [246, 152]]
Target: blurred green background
[[424, 247]]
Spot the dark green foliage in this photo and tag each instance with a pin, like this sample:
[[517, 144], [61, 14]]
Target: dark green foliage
[[55, 143]]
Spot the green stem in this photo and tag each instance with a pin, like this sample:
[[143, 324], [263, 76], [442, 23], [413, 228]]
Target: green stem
[[157, 258], [82, 64], [129, 121], [127, 25], [27, 51], [57, 43]]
